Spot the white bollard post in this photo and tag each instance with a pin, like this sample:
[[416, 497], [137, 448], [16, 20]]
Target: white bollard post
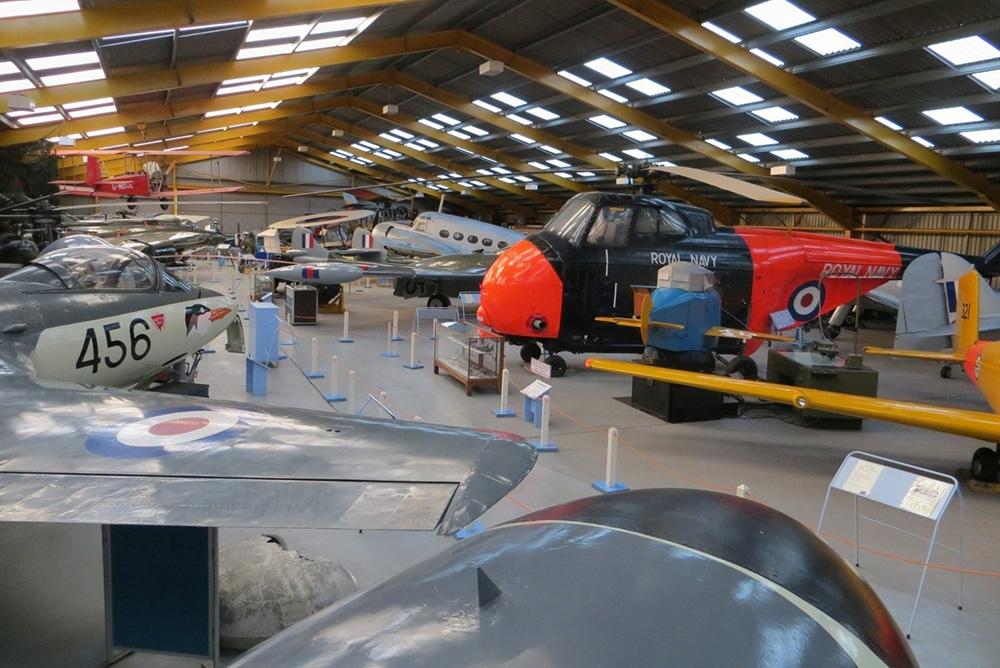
[[543, 444], [314, 371], [334, 394], [383, 397], [346, 338], [743, 491], [389, 352], [413, 353], [503, 411], [434, 330], [352, 393], [610, 484], [395, 327]]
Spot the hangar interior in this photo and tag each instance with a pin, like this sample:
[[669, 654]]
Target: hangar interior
[[797, 154]]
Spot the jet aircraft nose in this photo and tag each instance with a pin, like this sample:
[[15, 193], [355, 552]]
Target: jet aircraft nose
[[522, 294]]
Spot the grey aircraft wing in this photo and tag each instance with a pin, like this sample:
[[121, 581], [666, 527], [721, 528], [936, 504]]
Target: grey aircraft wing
[[650, 578], [118, 457]]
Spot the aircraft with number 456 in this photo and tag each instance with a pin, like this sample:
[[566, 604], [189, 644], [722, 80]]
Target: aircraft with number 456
[[88, 312], [547, 291]]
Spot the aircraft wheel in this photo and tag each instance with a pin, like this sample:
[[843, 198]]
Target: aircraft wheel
[[743, 366], [558, 365], [985, 465], [437, 301], [530, 351], [946, 371], [850, 320]]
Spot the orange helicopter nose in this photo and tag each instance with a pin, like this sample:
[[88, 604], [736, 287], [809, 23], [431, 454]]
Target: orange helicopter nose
[[521, 295]]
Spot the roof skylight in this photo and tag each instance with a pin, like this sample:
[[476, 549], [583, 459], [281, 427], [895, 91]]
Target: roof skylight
[[725, 34], [585, 174], [38, 119], [608, 68], [428, 143], [542, 113], [639, 135], [605, 121], [297, 31], [923, 142], [638, 154], [790, 154], [73, 77], [749, 157], [648, 87], [521, 138], [982, 136], [610, 156], [965, 50], [402, 133], [990, 79], [36, 7], [565, 175], [323, 43], [779, 14], [263, 51], [446, 119], [459, 134], [487, 106], [719, 144], [889, 123], [827, 42], [431, 124], [549, 149], [566, 74], [761, 53], [757, 139], [106, 131], [520, 119], [606, 92], [13, 85], [952, 115], [476, 130], [93, 111], [64, 60], [774, 114], [508, 99], [338, 25], [538, 165], [736, 96], [556, 162]]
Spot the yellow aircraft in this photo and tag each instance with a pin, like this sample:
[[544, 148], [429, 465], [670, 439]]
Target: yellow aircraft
[[981, 360]]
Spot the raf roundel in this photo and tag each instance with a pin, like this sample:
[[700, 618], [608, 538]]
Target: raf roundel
[[805, 301], [183, 430]]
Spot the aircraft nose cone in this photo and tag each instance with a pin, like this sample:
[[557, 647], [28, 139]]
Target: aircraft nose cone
[[521, 295]]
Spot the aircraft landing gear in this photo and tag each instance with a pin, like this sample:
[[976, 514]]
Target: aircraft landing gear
[[530, 351], [986, 465], [743, 366], [558, 365], [438, 301], [946, 371]]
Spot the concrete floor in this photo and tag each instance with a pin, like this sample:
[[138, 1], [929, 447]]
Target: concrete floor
[[785, 465]]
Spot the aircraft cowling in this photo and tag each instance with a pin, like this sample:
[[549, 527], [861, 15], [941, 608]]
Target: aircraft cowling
[[522, 294], [787, 290]]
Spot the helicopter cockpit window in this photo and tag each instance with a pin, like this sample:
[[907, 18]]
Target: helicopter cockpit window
[[671, 225], [611, 227], [101, 268], [570, 222], [644, 232]]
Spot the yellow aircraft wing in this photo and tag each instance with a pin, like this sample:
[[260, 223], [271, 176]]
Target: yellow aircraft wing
[[974, 424], [916, 354], [635, 322]]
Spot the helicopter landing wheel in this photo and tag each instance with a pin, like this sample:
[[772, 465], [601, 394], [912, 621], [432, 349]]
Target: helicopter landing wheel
[[530, 351], [985, 465], [743, 366], [946, 371], [558, 365]]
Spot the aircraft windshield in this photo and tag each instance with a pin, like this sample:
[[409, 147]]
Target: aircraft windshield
[[570, 222], [92, 268]]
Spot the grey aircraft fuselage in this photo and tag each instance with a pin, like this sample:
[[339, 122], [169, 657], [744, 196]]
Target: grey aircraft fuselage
[[649, 578]]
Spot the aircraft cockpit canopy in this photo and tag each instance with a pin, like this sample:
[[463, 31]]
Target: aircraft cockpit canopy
[[620, 221], [100, 267]]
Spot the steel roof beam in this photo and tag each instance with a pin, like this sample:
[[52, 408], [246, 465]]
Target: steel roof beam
[[94, 23], [682, 27]]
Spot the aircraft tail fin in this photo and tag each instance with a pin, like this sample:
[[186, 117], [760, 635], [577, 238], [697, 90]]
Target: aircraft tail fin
[[93, 169], [303, 239], [928, 302], [967, 323], [362, 239]]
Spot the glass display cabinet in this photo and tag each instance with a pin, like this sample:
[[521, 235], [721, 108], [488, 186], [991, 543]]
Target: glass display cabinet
[[470, 354]]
